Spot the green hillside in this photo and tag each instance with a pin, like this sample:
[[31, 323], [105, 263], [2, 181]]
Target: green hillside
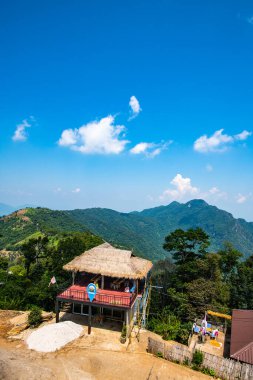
[[23, 224], [131, 230], [144, 231]]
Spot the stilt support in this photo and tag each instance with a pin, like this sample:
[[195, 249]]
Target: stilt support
[[89, 325], [127, 321], [57, 311]]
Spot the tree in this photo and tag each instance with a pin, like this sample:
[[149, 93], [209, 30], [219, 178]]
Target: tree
[[166, 324], [241, 284], [185, 246], [229, 260], [33, 250], [206, 294], [3, 263]]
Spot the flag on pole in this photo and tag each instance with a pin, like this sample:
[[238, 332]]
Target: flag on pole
[[204, 322], [52, 281]]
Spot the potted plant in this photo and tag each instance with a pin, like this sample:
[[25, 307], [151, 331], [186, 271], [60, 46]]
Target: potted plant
[[123, 334]]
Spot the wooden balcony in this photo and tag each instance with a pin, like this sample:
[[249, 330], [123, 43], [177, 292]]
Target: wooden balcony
[[104, 297]]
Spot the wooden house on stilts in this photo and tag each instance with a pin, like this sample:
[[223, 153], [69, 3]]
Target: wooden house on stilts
[[121, 280]]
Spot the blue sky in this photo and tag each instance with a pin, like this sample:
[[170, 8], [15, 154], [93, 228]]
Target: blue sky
[[126, 104]]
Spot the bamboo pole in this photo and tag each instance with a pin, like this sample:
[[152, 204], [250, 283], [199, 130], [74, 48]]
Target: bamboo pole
[[89, 325]]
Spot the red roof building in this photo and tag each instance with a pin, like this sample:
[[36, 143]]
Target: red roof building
[[241, 347]]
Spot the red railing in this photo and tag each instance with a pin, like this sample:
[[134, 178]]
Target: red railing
[[102, 297]]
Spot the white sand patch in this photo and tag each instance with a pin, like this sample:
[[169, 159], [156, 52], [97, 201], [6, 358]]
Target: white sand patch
[[50, 338]]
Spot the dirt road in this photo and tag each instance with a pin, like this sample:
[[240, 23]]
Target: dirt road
[[89, 358]]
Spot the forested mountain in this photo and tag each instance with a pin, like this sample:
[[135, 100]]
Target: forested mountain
[[144, 231], [30, 222], [129, 230]]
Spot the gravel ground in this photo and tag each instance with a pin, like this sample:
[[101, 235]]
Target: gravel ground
[[52, 337]]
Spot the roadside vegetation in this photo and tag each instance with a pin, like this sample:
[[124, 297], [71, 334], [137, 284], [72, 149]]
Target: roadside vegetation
[[195, 281]]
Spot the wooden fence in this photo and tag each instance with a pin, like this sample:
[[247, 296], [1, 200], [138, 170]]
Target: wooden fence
[[226, 369]]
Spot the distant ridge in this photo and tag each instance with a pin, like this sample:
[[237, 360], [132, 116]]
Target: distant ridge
[[143, 232]]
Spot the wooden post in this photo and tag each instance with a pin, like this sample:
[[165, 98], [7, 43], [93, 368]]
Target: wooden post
[[102, 282], [73, 278], [57, 311], [127, 321], [89, 325]]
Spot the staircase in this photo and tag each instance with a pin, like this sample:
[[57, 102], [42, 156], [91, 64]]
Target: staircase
[[141, 308], [66, 307]]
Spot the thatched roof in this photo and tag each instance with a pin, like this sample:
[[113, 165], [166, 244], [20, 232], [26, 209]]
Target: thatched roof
[[109, 261]]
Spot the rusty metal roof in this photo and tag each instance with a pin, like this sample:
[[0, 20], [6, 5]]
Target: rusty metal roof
[[241, 347], [245, 354]]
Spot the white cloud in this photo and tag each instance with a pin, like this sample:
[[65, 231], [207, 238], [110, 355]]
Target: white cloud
[[183, 187], [58, 190], [184, 190], [209, 168], [218, 142], [214, 193], [102, 137], [155, 152], [243, 135], [141, 147], [68, 137], [20, 133], [77, 190], [214, 190], [240, 198], [135, 107], [150, 150]]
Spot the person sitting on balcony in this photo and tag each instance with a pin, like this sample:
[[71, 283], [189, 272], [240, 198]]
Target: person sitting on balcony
[[127, 289]]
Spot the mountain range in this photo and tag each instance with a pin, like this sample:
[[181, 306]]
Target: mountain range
[[144, 231]]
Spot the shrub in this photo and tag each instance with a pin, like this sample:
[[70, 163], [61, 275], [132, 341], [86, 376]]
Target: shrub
[[197, 358], [124, 331], [123, 336], [166, 324], [195, 367], [208, 371], [35, 317], [17, 270], [3, 263], [183, 333]]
